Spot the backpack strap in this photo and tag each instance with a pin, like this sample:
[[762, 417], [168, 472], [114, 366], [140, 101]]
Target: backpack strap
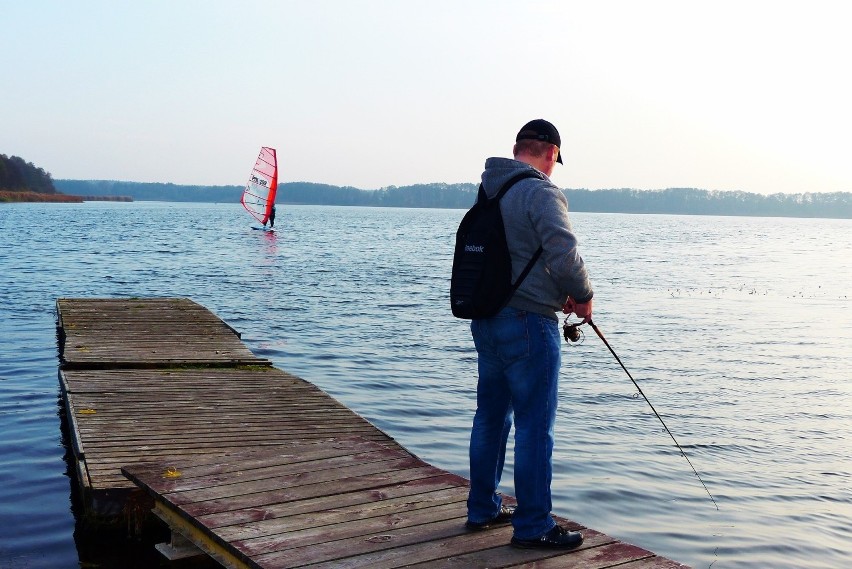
[[481, 196], [527, 269], [512, 181]]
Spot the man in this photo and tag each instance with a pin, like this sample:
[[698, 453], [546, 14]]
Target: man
[[519, 348], [271, 218]]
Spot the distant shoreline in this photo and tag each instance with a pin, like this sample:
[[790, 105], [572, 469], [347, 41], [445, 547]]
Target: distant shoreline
[[678, 201], [36, 197]]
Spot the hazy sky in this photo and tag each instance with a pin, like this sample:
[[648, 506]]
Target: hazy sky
[[723, 95]]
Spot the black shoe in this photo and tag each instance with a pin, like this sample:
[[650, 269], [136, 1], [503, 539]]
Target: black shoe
[[557, 538], [504, 516]]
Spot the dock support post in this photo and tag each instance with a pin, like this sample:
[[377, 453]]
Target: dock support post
[[186, 538], [178, 548]]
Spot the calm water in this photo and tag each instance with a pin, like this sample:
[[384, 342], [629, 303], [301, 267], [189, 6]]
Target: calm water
[[738, 330]]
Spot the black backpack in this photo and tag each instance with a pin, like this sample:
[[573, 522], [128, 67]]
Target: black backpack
[[481, 283]]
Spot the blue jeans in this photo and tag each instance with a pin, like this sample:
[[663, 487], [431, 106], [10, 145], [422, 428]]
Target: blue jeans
[[519, 362]]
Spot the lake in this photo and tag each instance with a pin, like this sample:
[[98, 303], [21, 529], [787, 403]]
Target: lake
[[737, 329]]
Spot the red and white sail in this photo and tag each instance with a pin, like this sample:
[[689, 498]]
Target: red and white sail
[[259, 194]]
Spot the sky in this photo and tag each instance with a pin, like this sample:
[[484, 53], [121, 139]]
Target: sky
[[743, 95]]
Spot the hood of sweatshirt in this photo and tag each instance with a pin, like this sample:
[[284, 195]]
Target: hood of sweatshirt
[[498, 171]]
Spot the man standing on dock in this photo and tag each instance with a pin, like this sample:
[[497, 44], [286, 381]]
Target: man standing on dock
[[519, 348]]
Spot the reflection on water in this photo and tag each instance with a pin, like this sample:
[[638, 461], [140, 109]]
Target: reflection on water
[[737, 330]]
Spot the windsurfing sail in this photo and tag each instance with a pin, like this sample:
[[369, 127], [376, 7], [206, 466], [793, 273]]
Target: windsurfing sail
[[259, 194]]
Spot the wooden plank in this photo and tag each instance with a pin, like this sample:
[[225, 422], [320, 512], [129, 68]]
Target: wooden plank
[[371, 481], [345, 538], [388, 541], [409, 489], [597, 552], [654, 562], [335, 515], [484, 549]]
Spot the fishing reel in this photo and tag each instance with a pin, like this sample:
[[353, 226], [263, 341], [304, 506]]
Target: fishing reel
[[571, 332]]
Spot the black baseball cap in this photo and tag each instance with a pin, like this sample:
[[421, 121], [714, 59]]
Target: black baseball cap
[[540, 129]]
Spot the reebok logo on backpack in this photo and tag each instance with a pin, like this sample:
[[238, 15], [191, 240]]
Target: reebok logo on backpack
[[481, 283]]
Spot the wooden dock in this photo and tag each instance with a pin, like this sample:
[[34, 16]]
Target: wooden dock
[[256, 467], [149, 333]]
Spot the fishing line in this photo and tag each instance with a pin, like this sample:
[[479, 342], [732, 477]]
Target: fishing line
[[571, 333]]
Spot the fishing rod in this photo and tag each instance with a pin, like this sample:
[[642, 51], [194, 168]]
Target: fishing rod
[[572, 334]]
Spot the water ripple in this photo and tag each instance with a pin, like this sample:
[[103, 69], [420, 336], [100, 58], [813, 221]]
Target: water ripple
[[749, 368]]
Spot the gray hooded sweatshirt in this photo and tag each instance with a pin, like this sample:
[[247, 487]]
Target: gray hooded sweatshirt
[[535, 212]]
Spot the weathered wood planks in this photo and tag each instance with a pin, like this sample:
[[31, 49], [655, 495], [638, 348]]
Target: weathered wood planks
[[347, 502], [123, 416], [257, 467], [148, 378], [138, 333]]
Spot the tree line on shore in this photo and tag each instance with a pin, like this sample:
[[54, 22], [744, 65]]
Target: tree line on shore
[[23, 181], [18, 175], [689, 201]]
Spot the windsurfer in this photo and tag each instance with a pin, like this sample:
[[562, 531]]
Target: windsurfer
[[259, 195]]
